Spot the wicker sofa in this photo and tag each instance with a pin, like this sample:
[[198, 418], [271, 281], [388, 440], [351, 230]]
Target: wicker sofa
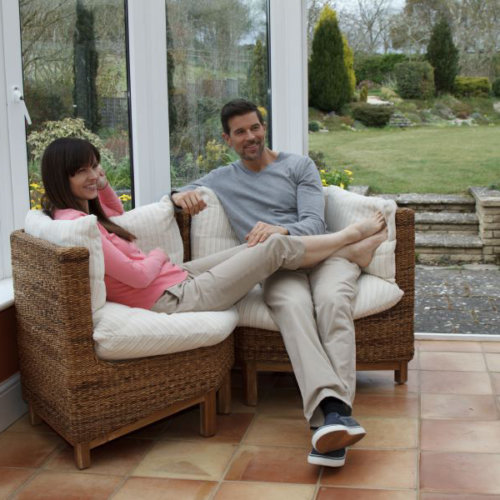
[[384, 341], [87, 400]]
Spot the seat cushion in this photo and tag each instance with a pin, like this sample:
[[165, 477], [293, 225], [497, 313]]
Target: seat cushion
[[122, 332], [374, 295]]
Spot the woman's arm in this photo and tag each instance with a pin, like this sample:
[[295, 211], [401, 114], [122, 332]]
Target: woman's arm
[[132, 272]]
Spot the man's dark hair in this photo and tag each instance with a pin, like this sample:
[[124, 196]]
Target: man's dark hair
[[237, 107]]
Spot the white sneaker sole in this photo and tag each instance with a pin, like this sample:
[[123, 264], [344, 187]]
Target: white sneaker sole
[[334, 437], [325, 461]]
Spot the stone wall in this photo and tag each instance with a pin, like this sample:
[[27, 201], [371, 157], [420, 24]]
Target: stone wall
[[488, 213]]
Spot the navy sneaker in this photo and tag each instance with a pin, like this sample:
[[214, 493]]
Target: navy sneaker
[[332, 459], [336, 433]]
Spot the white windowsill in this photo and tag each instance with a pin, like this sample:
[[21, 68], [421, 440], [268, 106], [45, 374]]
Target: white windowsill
[[6, 293]]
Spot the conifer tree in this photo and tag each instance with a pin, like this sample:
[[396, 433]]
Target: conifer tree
[[329, 86], [443, 56], [257, 75]]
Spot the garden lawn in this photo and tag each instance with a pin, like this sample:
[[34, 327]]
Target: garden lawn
[[416, 160]]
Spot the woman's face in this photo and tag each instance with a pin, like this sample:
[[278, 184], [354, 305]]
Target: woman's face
[[83, 183]]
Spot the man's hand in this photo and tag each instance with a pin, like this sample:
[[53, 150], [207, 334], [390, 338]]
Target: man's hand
[[261, 231], [191, 202], [102, 180]]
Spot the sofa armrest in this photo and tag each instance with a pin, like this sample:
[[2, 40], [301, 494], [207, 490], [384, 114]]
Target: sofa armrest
[[184, 223]]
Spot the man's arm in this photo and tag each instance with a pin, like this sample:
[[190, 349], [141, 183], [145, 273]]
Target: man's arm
[[188, 199]]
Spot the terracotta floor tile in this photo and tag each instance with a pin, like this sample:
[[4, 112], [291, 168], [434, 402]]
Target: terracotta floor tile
[[23, 425], [493, 362], [382, 382], [495, 379], [264, 491], [375, 469], [490, 346], [26, 450], [153, 488], [374, 405], [237, 404], [186, 426], [389, 433], [452, 361], [12, 479], [449, 346], [69, 486], [274, 464], [268, 430], [455, 382], [282, 402], [456, 436], [414, 364], [117, 457], [443, 406], [363, 494], [186, 460], [460, 472], [453, 496]]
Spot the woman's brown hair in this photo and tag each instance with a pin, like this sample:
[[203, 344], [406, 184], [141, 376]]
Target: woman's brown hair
[[61, 160]]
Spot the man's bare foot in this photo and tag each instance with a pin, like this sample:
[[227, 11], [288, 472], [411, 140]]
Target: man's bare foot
[[366, 227], [361, 252]]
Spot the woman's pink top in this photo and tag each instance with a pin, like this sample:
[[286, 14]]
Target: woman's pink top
[[131, 277]]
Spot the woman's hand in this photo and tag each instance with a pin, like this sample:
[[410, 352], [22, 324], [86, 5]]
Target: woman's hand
[[102, 180]]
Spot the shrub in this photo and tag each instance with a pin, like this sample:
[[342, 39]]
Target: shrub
[[372, 115], [314, 126], [216, 155], [496, 87], [329, 85], [443, 55], [472, 86], [363, 94], [377, 68], [415, 80]]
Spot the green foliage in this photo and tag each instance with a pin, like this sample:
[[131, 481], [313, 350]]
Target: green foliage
[[372, 115], [377, 68], [443, 55], [329, 85], [496, 87], [257, 81], [69, 127], [314, 126], [415, 80], [85, 65], [216, 155], [349, 65], [363, 94], [472, 86], [341, 177]]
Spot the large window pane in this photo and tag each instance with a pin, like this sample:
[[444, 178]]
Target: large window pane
[[75, 81], [217, 50]]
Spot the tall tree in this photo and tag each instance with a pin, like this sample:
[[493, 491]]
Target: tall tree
[[257, 75], [329, 86], [85, 65], [443, 56]]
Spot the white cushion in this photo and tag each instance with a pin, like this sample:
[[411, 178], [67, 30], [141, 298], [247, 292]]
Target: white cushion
[[81, 232], [344, 208], [122, 332], [154, 226], [210, 229], [374, 296]]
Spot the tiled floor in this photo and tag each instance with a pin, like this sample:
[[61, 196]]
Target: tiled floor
[[436, 438]]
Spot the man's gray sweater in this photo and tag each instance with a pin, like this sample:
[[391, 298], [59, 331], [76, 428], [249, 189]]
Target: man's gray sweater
[[287, 193]]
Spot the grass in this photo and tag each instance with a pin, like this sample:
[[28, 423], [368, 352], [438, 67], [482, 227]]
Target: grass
[[419, 160]]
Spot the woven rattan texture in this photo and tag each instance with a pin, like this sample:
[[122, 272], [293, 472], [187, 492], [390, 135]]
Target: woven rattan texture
[[81, 397]]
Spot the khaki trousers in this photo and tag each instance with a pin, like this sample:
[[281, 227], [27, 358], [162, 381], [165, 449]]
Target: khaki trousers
[[218, 281], [313, 309]]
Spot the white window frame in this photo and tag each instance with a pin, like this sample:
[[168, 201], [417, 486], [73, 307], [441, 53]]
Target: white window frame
[[149, 103]]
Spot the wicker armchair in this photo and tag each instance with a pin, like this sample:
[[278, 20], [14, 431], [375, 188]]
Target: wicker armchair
[[89, 401], [384, 341]]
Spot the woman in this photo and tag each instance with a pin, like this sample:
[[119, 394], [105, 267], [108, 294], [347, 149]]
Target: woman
[[75, 186]]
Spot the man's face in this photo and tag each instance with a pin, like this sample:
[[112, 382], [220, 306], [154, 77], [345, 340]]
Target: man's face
[[247, 136]]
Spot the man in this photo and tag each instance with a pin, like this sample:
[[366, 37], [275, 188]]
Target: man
[[267, 192]]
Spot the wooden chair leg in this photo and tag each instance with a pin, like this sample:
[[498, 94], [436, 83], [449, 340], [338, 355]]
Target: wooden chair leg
[[208, 415], [34, 418], [82, 455], [401, 375], [249, 371], [224, 395]]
